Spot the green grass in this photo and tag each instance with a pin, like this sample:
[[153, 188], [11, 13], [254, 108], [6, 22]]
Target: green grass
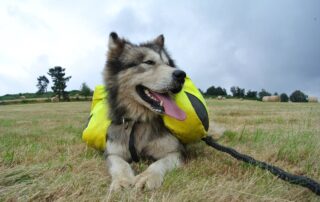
[[42, 156]]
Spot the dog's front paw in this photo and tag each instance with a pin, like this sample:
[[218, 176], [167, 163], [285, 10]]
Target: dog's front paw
[[119, 184], [148, 180]]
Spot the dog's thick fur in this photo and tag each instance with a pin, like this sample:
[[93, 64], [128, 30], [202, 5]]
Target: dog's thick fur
[[129, 67]]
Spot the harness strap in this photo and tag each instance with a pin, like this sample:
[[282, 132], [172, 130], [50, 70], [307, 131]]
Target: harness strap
[[132, 148]]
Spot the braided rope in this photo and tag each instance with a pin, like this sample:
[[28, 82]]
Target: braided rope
[[291, 178]]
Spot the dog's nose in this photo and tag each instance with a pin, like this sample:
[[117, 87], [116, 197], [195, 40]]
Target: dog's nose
[[179, 76]]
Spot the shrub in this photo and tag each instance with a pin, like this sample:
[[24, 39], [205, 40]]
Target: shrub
[[284, 97], [298, 96]]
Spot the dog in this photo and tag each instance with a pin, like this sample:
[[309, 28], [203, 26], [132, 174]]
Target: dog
[[140, 81]]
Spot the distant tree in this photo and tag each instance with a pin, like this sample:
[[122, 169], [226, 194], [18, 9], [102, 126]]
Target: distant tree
[[284, 97], [263, 93], [221, 91], [59, 82], [42, 84], [212, 91], [234, 91], [85, 90], [275, 93], [251, 94], [298, 96], [237, 91], [242, 92]]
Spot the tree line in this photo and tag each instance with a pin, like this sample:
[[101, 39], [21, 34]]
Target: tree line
[[237, 92], [59, 80]]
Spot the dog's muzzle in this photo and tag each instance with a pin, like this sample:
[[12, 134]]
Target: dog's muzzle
[[178, 78]]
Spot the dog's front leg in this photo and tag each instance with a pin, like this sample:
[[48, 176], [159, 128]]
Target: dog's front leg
[[153, 177], [120, 171]]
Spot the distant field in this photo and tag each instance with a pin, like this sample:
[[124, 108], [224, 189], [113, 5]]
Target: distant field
[[41, 100], [42, 156]]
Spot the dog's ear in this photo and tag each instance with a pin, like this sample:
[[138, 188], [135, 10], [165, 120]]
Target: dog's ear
[[114, 41], [159, 41]]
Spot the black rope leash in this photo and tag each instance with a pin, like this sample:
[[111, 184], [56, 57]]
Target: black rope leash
[[294, 179]]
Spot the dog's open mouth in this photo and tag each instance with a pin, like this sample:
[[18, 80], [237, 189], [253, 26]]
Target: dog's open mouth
[[161, 103]]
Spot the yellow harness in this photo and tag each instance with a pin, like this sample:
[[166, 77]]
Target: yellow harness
[[189, 100]]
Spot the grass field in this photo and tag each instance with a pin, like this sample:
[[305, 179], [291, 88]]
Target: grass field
[[42, 156]]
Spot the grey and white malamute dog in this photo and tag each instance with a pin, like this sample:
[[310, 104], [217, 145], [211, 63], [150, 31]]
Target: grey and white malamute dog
[[140, 80]]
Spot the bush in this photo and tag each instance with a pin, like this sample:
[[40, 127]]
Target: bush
[[252, 95], [284, 97], [298, 96]]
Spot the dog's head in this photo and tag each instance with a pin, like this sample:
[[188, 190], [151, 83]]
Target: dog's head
[[141, 77]]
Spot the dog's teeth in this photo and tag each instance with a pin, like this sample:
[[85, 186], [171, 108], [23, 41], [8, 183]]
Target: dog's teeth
[[157, 110], [161, 103]]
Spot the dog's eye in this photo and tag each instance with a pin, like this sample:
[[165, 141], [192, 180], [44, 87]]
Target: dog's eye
[[149, 62]]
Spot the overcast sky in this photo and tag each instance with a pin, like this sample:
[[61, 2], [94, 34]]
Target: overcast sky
[[253, 44]]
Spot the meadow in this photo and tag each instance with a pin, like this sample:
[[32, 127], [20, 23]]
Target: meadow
[[42, 156]]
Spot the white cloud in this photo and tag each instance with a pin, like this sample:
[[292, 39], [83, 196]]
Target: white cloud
[[217, 43], [30, 32]]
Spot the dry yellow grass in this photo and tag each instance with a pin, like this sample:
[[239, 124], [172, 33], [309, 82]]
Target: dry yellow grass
[[42, 157]]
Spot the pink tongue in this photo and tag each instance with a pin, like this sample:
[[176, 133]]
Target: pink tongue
[[170, 108]]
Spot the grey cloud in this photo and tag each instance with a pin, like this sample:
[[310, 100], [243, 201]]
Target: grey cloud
[[279, 42], [254, 44]]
